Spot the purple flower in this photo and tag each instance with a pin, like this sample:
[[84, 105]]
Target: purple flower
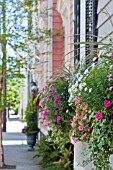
[[57, 96], [44, 113], [47, 109], [49, 97], [60, 108], [109, 79], [58, 118], [53, 88], [57, 101], [54, 120], [110, 88], [66, 74], [111, 55], [52, 92], [56, 112], [54, 105]]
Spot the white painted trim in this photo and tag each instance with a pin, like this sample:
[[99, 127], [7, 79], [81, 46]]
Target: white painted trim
[[64, 10], [50, 47], [82, 28]]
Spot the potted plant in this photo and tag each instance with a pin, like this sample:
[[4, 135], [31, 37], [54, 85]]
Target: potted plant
[[31, 129], [92, 99], [55, 108]]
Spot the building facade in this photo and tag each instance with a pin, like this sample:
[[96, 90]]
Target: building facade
[[69, 22]]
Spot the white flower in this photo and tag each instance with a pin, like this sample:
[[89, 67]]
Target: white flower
[[86, 71], [85, 89], [94, 59], [80, 86], [111, 66], [80, 78], [69, 90], [93, 65], [75, 90], [76, 84], [77, 75], [84, 84], [90, 90]]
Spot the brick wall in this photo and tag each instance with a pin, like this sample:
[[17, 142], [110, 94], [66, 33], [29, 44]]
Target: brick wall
[[58, 41]]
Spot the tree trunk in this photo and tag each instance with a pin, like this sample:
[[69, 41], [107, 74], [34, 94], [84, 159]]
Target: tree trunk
[[1, 146], [4, 64]]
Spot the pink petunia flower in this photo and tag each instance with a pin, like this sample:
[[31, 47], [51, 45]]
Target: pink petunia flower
[[40, 103], [77, 100], [89, 129], [77, 114], [75, 139], [87, 120], [82, 116], [58, 118], [80, 128], [80, 123], [85, 107], [74, 119], [98, 115], [107, 103], [72, 124], [84, 136]]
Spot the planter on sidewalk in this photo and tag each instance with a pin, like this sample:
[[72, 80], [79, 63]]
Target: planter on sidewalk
[[31, 140]]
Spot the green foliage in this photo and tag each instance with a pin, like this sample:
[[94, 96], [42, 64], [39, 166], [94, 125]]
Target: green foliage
[[31, 114], [56, 151], [13, 92]]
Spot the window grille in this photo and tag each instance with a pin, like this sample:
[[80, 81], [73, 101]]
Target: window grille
[[76, 29], [91, 22]]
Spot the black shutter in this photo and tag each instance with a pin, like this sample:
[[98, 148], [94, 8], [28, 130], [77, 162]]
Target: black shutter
[[91, 22], [76, 29]]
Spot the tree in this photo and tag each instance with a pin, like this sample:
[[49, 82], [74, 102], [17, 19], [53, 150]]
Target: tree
[[13, 92], [14, 46], [17, 42]]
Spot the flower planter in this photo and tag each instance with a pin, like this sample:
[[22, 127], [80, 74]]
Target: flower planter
[[31, 140], [78, 157]]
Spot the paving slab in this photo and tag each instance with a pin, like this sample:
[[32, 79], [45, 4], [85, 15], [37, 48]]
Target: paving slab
[[15, 148]]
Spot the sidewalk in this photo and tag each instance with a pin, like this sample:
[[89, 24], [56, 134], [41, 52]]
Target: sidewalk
[[15, 148]]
